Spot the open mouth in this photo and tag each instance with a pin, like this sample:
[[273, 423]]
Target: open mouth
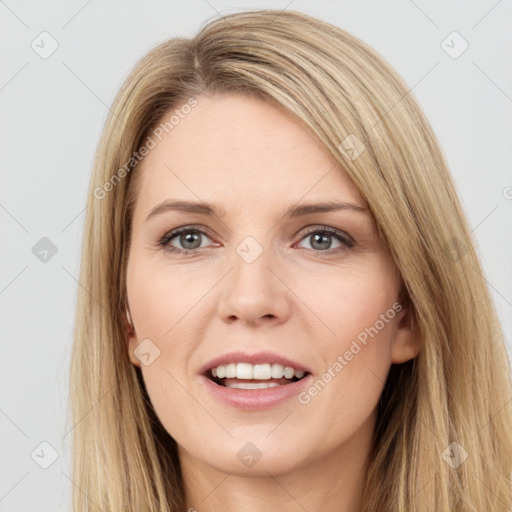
[[260, 383]]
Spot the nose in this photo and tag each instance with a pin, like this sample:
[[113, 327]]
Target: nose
[[254, 293]]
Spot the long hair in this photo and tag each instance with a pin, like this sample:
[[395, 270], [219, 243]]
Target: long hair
[[443, 439]]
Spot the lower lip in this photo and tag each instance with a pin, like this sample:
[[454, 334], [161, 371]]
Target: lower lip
[[256, 399]]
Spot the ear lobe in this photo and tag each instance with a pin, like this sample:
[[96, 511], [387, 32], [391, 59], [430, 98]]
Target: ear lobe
[[131, 337], [407, 342]]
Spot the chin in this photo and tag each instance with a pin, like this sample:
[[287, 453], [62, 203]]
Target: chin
[[254, 454]]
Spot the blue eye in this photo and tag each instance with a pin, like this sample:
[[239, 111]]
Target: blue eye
[[322, 238], [191, 240]]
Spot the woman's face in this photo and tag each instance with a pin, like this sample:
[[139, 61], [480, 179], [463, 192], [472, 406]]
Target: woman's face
[[259, 283]]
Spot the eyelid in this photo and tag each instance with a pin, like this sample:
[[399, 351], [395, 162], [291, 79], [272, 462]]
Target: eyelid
[[327, 229], [344, 238], [175, 232]]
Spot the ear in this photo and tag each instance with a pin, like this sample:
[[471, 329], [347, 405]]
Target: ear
[[407, 342], [131, 338]]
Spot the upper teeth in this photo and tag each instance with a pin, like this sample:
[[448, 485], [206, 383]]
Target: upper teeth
[[255, 371]]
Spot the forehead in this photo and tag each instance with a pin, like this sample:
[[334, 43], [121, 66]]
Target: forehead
[[232, 146]]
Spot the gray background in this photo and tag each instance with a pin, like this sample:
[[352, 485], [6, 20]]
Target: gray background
[[52, 111]]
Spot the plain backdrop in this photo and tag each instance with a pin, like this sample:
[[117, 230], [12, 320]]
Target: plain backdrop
[[52, 109]]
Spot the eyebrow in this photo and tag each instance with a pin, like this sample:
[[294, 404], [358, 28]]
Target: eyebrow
[[214, 210]]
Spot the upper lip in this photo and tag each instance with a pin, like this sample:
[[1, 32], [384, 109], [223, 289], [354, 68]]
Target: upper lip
[[254, 358]]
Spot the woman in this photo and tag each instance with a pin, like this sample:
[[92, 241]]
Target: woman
[[282, 305]]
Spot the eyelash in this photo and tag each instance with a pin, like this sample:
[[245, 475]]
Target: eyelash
[[347, 241]]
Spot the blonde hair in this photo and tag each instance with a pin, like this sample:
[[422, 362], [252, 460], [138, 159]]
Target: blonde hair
[[457, 390]]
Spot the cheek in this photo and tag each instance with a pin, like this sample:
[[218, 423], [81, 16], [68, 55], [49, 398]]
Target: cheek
[[164, 307], [362, 316], [161, 297], [351, 302], [356, 314]]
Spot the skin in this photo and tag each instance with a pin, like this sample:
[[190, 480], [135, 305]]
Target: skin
[[254, 160]]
